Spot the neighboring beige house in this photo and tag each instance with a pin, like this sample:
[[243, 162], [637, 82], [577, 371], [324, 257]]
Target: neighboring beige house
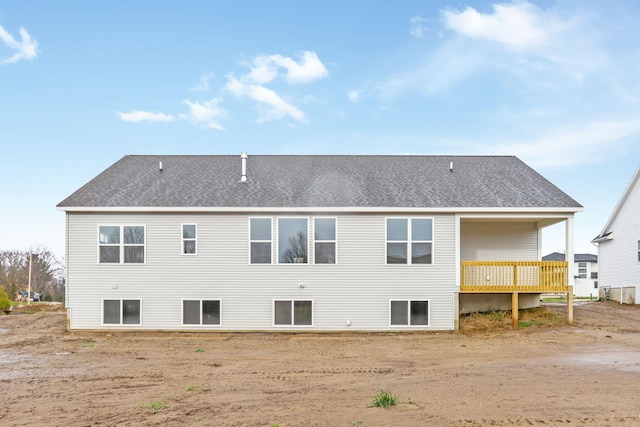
[[585, 277], [309, 242], [619, 247]]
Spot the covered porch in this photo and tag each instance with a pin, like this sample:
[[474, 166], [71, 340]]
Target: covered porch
[[500, 256]]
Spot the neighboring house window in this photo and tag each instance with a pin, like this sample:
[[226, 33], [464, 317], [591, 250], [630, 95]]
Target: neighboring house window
[[189, 235], [324, 237], [121, 244], [201, 312], [595, 284], [409, 240], [293, 313], [582, 270], [292, 240], [409, 313], [260, 240], [121, 311], [638, 250]]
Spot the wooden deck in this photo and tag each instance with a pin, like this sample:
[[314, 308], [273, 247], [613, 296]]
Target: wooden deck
[[515, 277]]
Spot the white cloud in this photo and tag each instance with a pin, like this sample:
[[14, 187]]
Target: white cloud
[[417, 27], [203, 83], [309, 68], [519, 25], [577, 144], [145, 116], [27, 48], [207, 114], [354, 96], [271, 105]]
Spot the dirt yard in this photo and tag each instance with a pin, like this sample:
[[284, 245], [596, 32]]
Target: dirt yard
[[587, 374]]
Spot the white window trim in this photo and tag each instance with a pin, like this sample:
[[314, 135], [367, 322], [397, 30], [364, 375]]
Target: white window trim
[[277, 240], [259, 241], [183, 239], [121, 245], [335, 241], [409, 325], [409, 241], [292, 300], [119, 325], [200, 325]]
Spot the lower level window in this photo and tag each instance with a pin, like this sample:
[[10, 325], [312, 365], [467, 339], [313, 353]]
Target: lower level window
[[409, 313], [293, 313], [121, 311], [201, 312]]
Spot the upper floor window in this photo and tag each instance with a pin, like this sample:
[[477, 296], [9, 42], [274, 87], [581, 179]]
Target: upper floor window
[[189, 235], [409, 241], [121, 244], [582, 270], [260, 240], [292, 241], [324, 236], [638, 250]]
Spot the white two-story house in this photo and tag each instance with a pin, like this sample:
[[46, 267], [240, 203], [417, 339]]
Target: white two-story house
[[308, 242]]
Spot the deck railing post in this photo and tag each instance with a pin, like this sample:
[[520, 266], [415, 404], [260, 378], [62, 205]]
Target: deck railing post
[[570, 305]]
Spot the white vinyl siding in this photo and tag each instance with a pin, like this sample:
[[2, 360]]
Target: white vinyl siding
[[355, 291], [498, 241], [619, 258]]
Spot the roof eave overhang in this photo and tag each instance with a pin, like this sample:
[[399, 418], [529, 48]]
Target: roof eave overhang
[[351, 209]]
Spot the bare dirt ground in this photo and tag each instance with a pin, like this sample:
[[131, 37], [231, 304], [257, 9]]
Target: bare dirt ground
[[586, 374]]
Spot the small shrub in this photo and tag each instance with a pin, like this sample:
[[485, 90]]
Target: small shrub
[[384, 399], [199, 350], [5, 302]]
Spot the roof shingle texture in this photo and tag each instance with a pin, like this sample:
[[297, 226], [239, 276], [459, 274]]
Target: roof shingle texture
[[320, 181]]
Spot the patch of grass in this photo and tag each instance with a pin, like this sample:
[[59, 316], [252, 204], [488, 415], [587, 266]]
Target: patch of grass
[[384, 399], [199, 350], [154, 407], [500, 320], [88, 344], [192, 388]]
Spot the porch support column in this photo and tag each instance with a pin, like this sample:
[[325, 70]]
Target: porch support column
[[570, 306], [569, 257], [514, 309]]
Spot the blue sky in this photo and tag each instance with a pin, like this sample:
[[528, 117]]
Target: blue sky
[[85, 83]]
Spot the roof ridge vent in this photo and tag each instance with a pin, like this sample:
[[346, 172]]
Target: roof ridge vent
[[243, 158]]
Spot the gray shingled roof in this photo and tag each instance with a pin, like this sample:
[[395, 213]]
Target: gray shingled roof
[[558, 256], [320, 181]]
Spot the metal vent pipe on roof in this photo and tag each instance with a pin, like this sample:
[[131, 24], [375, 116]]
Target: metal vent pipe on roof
[[243, 157], [160, 166], [450, 166]]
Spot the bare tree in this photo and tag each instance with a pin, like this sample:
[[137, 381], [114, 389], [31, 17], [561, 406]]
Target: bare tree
[[47, 272], [297, 250]]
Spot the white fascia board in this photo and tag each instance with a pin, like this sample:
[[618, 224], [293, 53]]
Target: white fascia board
[[471, 211]]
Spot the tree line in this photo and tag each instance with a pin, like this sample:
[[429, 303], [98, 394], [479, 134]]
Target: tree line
[[47, 273]]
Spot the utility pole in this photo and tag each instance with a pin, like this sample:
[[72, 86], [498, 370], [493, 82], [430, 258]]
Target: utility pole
[[29, 290]]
